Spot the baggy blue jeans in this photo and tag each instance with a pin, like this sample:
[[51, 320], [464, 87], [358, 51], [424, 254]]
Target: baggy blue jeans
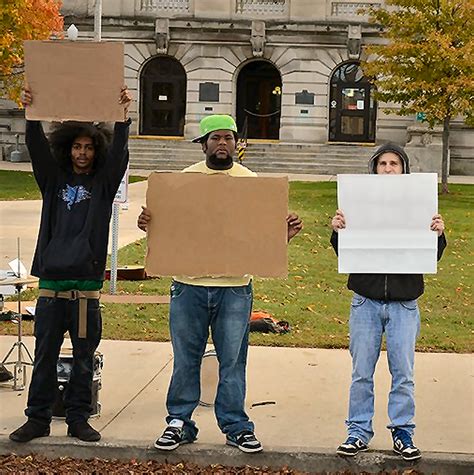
[[226, 310], [369, 320]]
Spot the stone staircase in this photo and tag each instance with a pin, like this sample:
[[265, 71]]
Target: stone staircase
[[320, 159]]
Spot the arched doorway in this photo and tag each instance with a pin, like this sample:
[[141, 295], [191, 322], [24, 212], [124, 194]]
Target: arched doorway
[[259, 100], [352, 109], [163, 97]]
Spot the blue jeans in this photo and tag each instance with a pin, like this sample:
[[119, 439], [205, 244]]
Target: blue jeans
[[369, 319], [226, 310], [53, 317]]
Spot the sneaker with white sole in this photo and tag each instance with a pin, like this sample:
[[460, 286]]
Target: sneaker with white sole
[[352, 446], [245, 441], [403, 445], [172, 437]]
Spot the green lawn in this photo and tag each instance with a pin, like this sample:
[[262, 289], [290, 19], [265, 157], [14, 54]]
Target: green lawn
[[314, 298], [16, 185]]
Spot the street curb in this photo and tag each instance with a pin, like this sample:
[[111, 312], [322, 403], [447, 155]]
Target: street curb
[[304, 458]]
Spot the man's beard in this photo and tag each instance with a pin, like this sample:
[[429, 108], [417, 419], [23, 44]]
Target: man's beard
[[219, 163]]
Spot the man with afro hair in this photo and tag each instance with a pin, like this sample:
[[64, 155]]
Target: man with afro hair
[[78, 172]]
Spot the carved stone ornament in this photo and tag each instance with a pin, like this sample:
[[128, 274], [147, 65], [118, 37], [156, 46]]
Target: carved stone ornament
[[427, 139], [162, 35], [354, 40], [257, 39]]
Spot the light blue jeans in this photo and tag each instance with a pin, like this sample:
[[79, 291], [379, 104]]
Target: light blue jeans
[[226, 310], [369, 320]]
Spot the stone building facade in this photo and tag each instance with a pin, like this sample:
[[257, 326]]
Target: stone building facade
[[288, 70]]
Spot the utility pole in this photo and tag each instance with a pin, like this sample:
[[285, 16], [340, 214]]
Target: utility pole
[[98, 20]]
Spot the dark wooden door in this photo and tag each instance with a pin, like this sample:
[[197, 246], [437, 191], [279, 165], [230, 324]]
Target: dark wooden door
[[163, 97], [259, 100], [352, 109], [352, 123]]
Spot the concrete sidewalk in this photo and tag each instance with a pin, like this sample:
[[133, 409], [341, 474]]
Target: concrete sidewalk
[[301, 424]]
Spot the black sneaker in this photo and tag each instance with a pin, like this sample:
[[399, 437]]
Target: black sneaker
[[403, 445], [30, 430], [83, 431], [245, 441], [172, 438], [352, 446]]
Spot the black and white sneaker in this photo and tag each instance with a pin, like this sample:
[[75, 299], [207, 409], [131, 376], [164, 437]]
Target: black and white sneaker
[[352, 446], [403, 445], [172, 438], [245, 441]]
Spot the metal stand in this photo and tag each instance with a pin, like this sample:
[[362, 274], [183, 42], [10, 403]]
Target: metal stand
[[19, 365]]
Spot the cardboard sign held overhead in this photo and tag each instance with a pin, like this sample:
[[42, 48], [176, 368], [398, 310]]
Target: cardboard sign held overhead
[[75, 80], [217, 225]]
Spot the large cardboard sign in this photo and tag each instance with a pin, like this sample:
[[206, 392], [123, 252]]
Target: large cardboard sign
[[217, 225], [75, 80], [388, 221]]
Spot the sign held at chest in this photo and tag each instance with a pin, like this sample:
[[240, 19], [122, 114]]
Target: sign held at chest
[[217, 225]]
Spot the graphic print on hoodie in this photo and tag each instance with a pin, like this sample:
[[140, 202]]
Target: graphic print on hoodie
[[74, 194]]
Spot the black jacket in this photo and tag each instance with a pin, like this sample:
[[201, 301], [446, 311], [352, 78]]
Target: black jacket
[[74, 229], [388, 286]]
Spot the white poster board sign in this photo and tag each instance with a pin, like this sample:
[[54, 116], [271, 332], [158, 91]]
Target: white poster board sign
[[388, 221]]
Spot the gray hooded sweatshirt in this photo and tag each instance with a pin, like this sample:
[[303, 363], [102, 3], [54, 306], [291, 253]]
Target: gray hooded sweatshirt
[[398, 287]]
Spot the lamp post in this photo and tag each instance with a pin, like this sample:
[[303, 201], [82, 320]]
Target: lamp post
[[98, 20]]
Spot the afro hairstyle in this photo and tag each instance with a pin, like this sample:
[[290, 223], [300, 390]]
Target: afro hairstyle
[[63, 134]]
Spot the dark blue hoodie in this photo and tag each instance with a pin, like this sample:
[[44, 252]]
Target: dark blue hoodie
[[76, 211]]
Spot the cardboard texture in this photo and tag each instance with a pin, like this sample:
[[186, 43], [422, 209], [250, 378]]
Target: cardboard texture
[[75, 80], [217, 225]]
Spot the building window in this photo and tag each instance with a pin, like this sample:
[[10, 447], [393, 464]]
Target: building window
[[350, 9], [261, 6], [164, 5]]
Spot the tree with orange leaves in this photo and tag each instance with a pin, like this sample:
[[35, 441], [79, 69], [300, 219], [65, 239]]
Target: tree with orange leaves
[[427, 65], [22, 20]]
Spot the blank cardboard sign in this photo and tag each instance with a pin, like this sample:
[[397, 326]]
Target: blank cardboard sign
[[217, 225], [75, 80]]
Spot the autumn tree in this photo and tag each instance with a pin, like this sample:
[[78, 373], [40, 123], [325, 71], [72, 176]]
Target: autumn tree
[[23, 20], [427, 64]]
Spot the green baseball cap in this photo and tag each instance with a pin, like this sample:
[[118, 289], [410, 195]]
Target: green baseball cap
[[214, 122]]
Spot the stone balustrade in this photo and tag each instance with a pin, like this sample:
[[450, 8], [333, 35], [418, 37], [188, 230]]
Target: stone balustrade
[[350, 9], [261, 6], [175, 6]]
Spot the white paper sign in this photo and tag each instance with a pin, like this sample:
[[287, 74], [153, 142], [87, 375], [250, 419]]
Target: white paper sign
[[388, 221]]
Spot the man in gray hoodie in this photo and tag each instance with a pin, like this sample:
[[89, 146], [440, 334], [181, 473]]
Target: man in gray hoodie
[[384, 303]]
